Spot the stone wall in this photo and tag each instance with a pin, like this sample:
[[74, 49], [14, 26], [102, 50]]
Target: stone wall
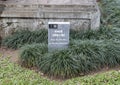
[[17, 14]]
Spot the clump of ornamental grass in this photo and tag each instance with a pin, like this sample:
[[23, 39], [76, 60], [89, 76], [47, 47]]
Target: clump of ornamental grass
[[89, 53], [22, 37], [112, 53], [60, 64], [29, 54], [110, 14], [101, 34], [82, 56], [102, 52]]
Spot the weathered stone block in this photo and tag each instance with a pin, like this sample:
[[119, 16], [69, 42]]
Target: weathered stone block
[[35, 14]]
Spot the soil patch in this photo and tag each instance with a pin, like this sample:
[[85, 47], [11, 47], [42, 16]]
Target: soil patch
[[13, 54]]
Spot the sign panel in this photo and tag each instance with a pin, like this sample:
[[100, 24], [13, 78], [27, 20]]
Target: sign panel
[[58, 35]]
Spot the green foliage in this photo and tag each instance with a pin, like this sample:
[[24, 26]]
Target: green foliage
[[82, 56], [112, 53], [89, 50], [23, 37], [89, 53], [97, 54], [60, 64], [12, 74], [110, 12], [29, 54], [101, 34], [108, 78]]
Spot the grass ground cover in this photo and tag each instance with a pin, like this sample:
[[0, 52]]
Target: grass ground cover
[[12, 74], [110, 12], [107, 78], [24, 37], [82, 57], [31, 53]]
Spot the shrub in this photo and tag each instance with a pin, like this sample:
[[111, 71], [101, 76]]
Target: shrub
[[23, 37], [59, 64], [100, 34], [110, 12], [112, 53], [89, 53], [29, 54], [82, 56], [97, 53]]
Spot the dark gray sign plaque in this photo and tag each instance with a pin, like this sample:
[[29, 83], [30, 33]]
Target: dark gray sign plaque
[[58, 35]]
